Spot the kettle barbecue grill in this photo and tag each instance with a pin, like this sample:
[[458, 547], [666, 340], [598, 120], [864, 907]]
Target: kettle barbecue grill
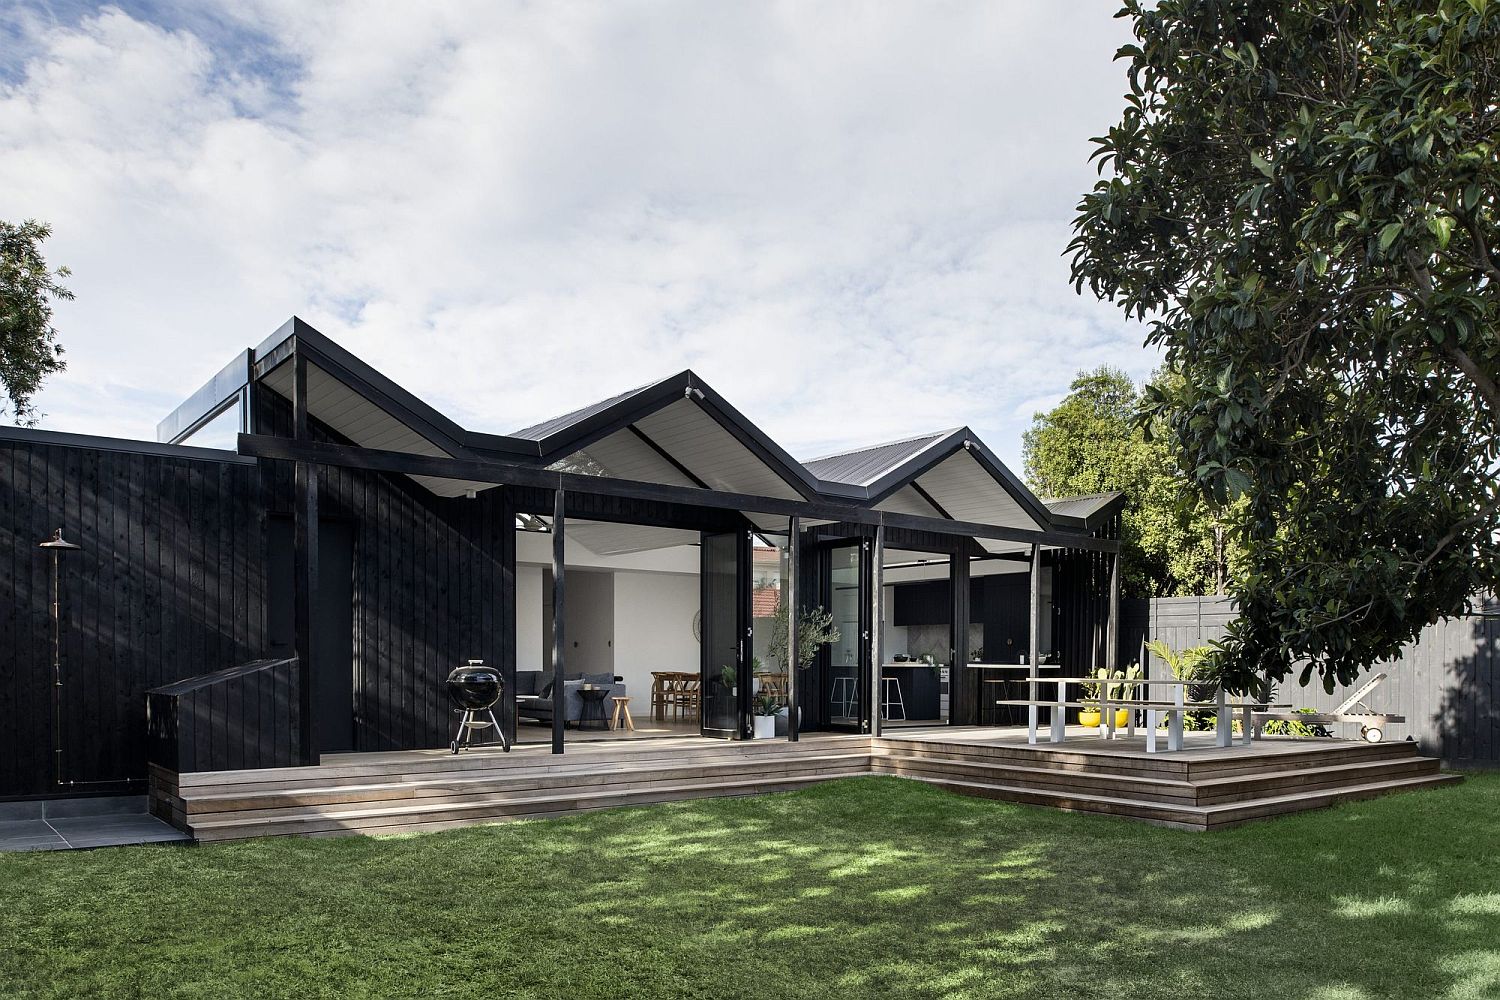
[[474, 688]]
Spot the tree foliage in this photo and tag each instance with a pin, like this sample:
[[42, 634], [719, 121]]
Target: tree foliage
[[1301, 198], [1173, 542], [29, 351]]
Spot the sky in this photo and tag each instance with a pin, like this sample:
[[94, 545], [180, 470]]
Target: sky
[[849, 218]]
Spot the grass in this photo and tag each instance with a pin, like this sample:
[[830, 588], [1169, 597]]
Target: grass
[[869, 887]]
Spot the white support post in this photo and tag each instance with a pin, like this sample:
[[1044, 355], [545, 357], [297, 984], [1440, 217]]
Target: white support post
[[1151, 721], [1059, 717], [1106, 715], [1224, 730], [1246, 721], [1174, 720], [1031, 714]]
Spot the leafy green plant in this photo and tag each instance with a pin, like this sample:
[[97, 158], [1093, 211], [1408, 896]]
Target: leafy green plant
[[1119, 685], [766, 704], [1295, 727], [1185, 664], [815, 628], [1302, 200]]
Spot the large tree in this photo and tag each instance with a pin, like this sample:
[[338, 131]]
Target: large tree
[[1300, 197], [1173, 543], [29, 350]]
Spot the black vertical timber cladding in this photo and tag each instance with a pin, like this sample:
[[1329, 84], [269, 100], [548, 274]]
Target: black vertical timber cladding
[[171, 583], [413, 552], [140, 607]]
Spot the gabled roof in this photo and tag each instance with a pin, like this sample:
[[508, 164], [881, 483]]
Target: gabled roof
[[1085, 510], [949, 474], [677, 431], [562, 425], [863, 466]]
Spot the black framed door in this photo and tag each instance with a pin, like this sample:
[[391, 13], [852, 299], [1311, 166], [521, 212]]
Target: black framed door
[[724, 635], [846, 662]]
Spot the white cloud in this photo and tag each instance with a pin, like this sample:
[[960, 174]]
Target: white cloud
[[847, 217]]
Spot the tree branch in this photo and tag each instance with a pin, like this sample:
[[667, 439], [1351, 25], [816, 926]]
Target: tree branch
[[1482, 381]]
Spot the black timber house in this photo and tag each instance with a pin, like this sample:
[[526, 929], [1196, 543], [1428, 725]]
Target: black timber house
[[309, 590]]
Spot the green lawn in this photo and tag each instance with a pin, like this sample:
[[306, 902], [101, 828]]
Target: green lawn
[[869, 887]]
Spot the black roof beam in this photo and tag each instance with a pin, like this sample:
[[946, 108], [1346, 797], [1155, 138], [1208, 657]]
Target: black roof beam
[[505, 473]]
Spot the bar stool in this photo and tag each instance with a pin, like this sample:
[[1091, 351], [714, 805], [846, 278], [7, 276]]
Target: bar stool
[[844, 694], [886, 701]]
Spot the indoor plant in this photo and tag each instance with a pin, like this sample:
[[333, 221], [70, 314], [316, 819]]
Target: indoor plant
[[765, 707], [815, 628]]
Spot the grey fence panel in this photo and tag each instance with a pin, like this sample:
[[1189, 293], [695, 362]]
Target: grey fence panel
[[1445, 682]]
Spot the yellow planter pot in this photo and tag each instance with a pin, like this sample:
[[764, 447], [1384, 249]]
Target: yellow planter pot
[[1090, 718]]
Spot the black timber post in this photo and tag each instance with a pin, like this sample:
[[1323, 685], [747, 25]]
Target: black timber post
[[506, 530], [793, 647], [305, 564], [559, 633], [1112, 629], [961, 708]]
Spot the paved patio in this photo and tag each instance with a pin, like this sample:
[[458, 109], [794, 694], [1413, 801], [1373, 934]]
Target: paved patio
[[77, 824]]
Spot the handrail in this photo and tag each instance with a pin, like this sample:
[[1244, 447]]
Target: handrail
[[236, 718], [199, 681]]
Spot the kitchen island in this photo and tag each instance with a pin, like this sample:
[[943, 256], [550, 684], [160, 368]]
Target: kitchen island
[[921, 691]]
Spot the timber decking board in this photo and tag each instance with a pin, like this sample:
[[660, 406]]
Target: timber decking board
[[1199, 789]]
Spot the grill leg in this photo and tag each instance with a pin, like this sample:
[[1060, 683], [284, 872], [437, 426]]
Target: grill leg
[[504, 743], [458, 737]]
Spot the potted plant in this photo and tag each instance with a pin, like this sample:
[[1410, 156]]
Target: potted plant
[[815, 628], [1089, 715], [1122, 691], [765, 707]]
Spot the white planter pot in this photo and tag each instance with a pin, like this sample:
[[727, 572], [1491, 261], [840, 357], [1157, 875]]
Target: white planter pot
[[765, 727]]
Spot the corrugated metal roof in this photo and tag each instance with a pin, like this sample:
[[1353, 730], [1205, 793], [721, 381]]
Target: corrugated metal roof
[[865, 465], [1084, 506], [547, 428]]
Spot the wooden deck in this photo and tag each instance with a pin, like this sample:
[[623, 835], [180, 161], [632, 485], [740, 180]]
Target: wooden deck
[[1203, 787]]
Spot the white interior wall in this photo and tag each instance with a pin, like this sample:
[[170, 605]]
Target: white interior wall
[[531, 638], [653, 622], [590, 634]]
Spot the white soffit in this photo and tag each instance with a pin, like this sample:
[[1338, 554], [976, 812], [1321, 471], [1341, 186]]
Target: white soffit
[[606, 538], [969, 493], [908, 501], [361, 421], [626, 456], [697, 442]]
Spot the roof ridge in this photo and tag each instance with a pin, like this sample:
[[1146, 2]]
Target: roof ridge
[[596, 404], [929, 436], [1083, 496]]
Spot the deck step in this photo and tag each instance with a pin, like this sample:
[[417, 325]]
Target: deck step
[[1169, 790], [1202, 788], [1186, 817], [439, 790], [392, 818]]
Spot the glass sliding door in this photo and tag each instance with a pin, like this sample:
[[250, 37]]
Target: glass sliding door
[[846, 681], [724, 684]]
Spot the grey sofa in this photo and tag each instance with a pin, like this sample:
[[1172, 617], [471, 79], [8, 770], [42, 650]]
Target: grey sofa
[[534, 694]]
